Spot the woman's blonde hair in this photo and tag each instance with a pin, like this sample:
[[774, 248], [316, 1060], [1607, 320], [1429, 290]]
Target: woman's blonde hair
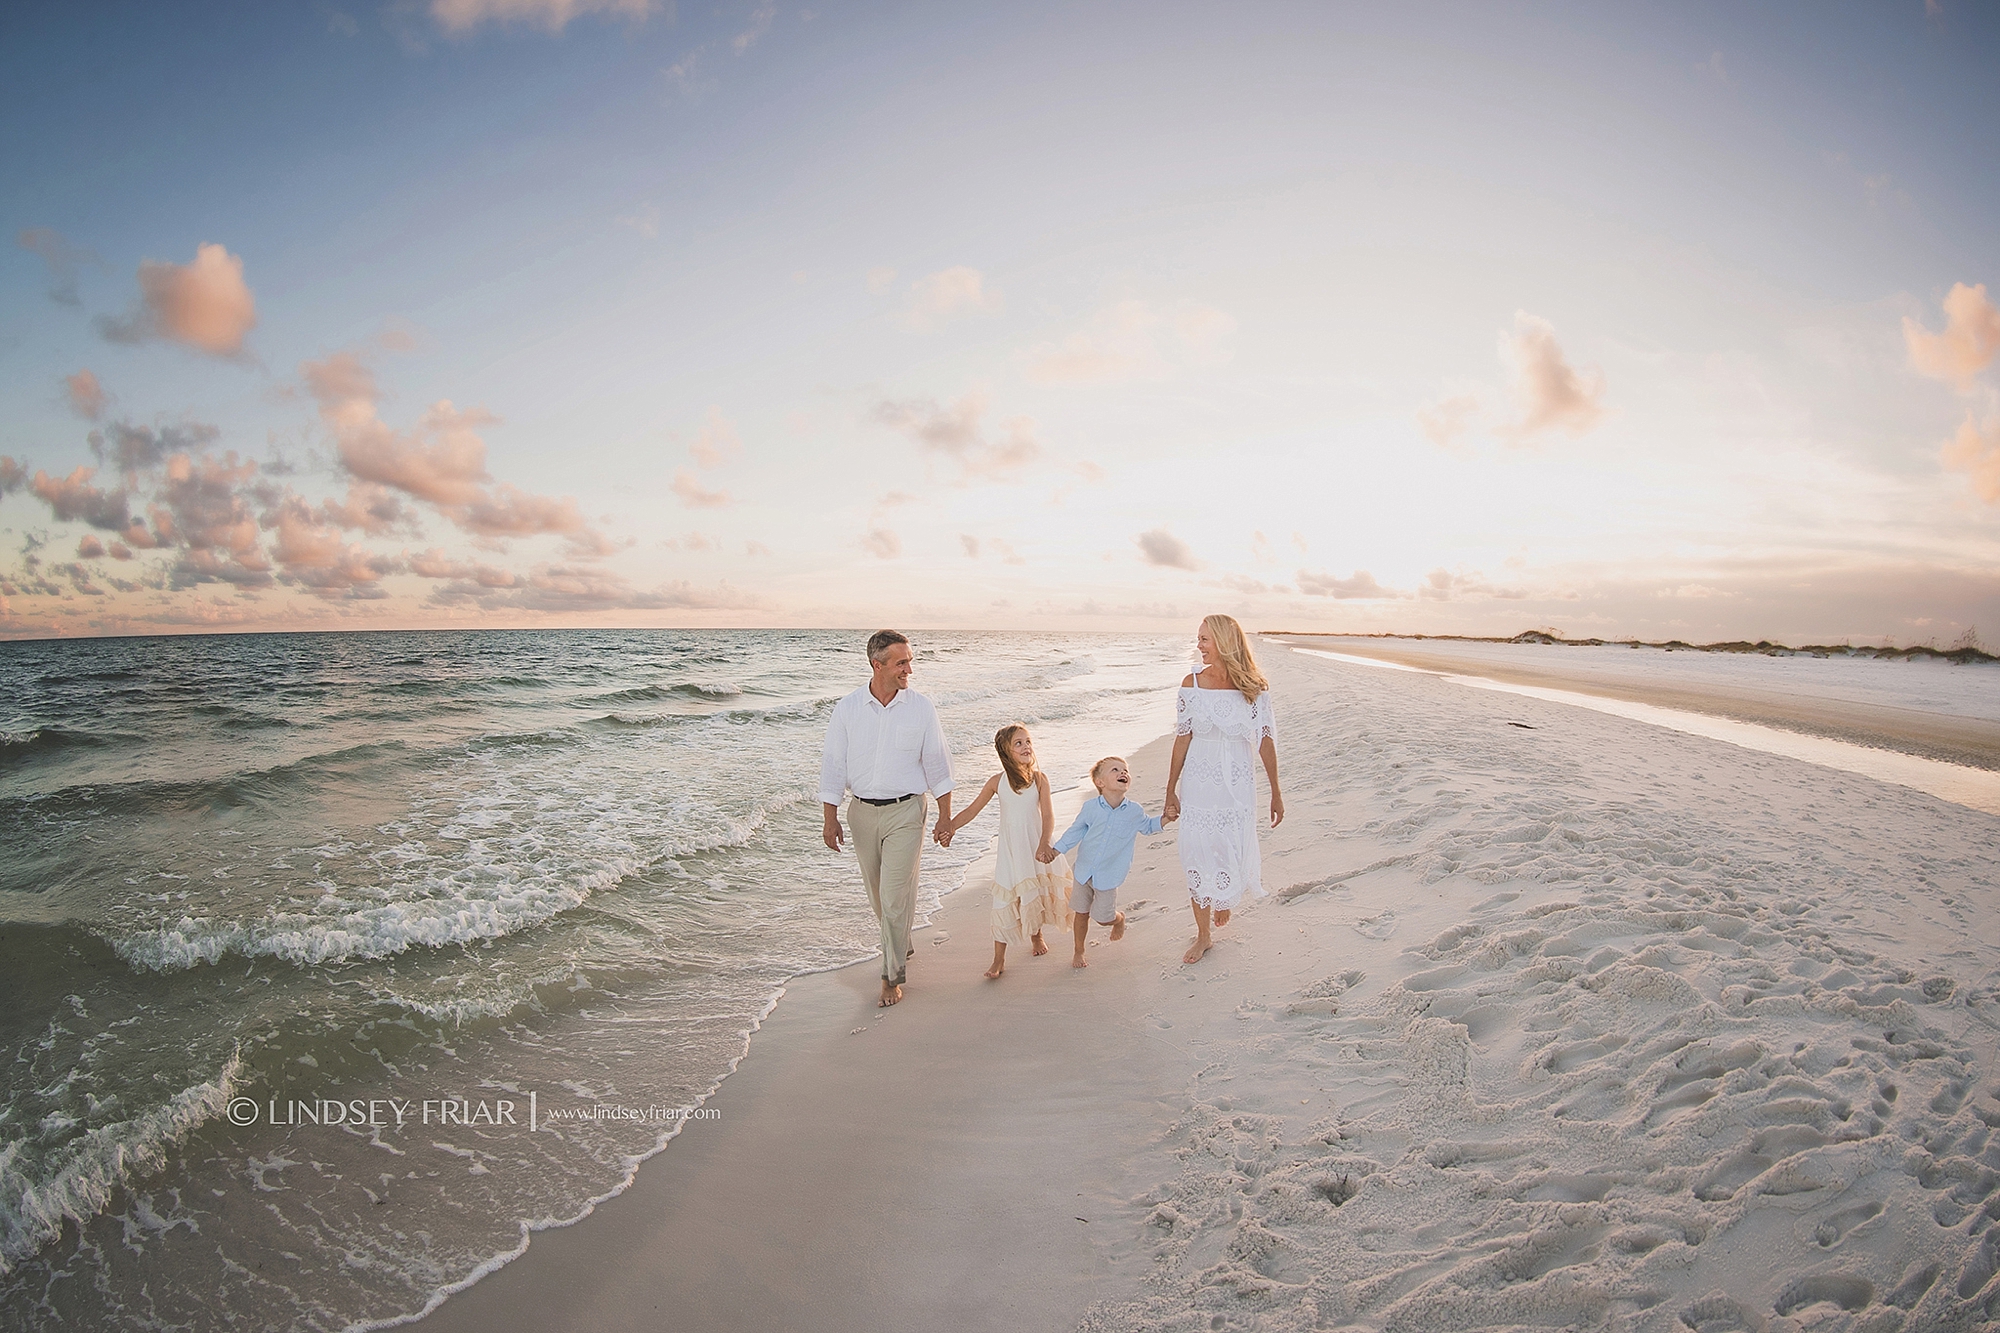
[[1003, 741], [1234, 651]]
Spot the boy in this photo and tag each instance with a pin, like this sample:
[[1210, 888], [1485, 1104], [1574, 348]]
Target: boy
[[1105, 827]]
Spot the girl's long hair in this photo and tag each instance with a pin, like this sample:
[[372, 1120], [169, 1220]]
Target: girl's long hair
[[1003, 741], [1234, 650]]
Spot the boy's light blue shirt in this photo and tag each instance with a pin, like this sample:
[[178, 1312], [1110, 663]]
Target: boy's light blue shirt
[[1106, 832]]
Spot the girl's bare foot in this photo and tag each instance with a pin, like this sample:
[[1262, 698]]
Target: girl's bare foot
[[1222, 916], [1201, 945], [1040, 948], [891, 994], [1118, 926], [999, 961], [1079, 960]]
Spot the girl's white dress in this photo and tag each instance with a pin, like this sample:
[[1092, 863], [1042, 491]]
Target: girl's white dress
[[1027, 896], [1218, 791]]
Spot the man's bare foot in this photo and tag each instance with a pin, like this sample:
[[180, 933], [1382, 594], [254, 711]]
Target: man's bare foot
[[1079, 961], [1201, 945], [1040, 948], [1222, 916], [891, 994], [1118, 926]]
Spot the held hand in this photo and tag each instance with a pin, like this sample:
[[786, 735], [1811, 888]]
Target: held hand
[[1170, 810], [942, 833], [1277, 809], [831, 833], [1045, 854]]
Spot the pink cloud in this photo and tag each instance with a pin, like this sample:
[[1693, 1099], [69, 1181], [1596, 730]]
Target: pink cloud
[[89, 548], [13, 475], [1134, 339], [717, 440], [1975, 450], [882, 543], [1549, 392], [73, 498], [1970, 340], [692, 493], [959, 433], [442, 462], [204, 305], [458, 17], [1443, 422], [948, 293], [86, 395], [120, 551], [1361, 586]]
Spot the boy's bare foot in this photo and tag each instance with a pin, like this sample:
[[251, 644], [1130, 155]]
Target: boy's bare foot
[[891, 994], [1201, 945], [1222, 916], [1040, 948], [1118, 926], [1079, 961]]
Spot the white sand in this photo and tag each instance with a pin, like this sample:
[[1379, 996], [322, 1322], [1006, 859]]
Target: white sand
[[1589, 1025]]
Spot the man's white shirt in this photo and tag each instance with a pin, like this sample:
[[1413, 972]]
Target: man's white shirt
[[880, 752]]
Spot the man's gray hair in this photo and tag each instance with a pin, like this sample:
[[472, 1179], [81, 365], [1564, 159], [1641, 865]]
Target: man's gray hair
[[879, 641]]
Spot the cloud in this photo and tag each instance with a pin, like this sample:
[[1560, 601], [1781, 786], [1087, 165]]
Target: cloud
[[559, 589], [204, 305], [760, 24], [970, 544], [89, 548], [201, 508], [1243, 583], [86, 395], [62, 259], [1549, 392], [1441, 585], [73, 498], [458, 17], [1968, 344], [1162, 548], [315, 557], [881, 278], [442, 462], [1131, 340], [882, 543], [948, 293], [1360, 587], [755, 548], [959, 433], [693, 495], [716, 441], [1443, 422], [13, 475], [1975, 450], [136, 449]]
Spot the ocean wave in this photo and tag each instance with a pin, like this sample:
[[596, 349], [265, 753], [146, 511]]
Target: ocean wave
[[460, 915], [36, 1199], [249, 787], [24, 746], [660, 693]]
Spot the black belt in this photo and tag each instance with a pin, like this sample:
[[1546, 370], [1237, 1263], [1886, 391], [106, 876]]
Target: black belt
[[893, 800]]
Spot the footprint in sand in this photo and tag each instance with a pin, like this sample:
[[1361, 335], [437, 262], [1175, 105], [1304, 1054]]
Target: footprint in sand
[[1849, 1293], [1834, 1227]]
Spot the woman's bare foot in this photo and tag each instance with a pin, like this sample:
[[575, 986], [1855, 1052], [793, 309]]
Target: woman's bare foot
[[1201, 945], [1118, 926], [1222, 916], [1040, 948], [891, 994], [999, 962], [1079, 960]]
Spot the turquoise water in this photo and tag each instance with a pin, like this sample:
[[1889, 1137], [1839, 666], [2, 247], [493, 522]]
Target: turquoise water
[[257, 878]]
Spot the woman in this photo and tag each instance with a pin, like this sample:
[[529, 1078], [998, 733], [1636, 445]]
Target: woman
[[1224, 725]]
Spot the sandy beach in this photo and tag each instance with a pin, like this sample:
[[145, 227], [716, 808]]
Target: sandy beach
[[1553, 1019]]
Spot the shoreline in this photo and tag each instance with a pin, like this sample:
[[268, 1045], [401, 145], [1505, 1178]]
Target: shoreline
[[1973, 742], [732, 1230]]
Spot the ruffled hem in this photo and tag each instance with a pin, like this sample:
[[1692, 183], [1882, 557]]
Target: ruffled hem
[[1029, 908]]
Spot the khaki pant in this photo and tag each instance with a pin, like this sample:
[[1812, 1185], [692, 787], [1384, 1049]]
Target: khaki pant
[[888, 839]]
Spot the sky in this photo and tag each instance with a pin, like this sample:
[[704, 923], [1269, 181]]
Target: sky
[[1669, 322]]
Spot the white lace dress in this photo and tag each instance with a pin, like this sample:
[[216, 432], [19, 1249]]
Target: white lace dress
[[1218, 791]]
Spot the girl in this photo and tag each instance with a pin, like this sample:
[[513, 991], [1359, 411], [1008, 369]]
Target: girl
[[1027, 895]]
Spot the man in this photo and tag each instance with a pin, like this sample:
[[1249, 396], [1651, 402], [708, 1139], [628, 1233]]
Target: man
[[885, 746]]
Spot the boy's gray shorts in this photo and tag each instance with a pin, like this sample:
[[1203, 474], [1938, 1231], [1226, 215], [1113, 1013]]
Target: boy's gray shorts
[[1102, 904]]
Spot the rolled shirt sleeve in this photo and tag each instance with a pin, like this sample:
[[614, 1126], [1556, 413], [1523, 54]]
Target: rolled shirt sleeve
[[936, 757]]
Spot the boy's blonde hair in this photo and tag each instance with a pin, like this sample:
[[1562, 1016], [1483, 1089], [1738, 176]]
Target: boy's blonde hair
[[1003, 741], [1098, 767], [1234, 650]]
